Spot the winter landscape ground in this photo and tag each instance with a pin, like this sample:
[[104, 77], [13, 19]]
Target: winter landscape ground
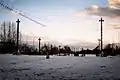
[[23, 67]]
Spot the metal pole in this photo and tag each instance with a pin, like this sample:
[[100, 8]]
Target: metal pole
[[101, 20], [101, 37], [18, 21], [39, 44]]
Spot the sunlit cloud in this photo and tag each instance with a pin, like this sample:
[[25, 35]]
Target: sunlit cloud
[[111, 11], [101, 11], [114, 3]]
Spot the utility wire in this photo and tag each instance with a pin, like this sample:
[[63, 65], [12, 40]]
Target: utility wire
[[19, 13]]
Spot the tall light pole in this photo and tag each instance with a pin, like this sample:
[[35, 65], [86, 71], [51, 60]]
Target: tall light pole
[[18, 21], [101, 21], [39, 44]]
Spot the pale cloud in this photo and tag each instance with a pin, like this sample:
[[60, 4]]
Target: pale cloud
[[111, 11], [114, 3], [104, 11]]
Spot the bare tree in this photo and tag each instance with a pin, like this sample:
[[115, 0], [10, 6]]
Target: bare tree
[[8, 31], [3, 32]]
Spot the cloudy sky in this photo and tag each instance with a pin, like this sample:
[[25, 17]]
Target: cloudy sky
[[67, 21]]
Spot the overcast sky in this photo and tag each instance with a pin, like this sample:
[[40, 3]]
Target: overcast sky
[[67, 21]]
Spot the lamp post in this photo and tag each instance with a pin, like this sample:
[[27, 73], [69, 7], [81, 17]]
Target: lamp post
[[18, 21], [101, 21], [39, 44]]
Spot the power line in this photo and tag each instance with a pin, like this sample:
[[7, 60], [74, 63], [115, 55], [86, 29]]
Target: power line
[[19, 12]]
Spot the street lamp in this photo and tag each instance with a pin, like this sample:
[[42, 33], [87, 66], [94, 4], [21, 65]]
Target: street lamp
[[39, 44]]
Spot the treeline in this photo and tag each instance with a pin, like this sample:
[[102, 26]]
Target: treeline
[[45, 49], [8, 39], [111, 49], [55, 50]]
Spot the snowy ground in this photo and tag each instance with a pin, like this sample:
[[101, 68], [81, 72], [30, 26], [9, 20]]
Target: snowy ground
[[25, 67]]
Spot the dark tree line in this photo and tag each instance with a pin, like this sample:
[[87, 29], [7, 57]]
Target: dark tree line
[[109, 50], [8, 38], [112, 50], [55, 50], [8, 32]]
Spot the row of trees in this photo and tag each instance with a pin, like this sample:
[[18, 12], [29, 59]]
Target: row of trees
[[8, 39], [111, 49], [8, 32], [54, 50]]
